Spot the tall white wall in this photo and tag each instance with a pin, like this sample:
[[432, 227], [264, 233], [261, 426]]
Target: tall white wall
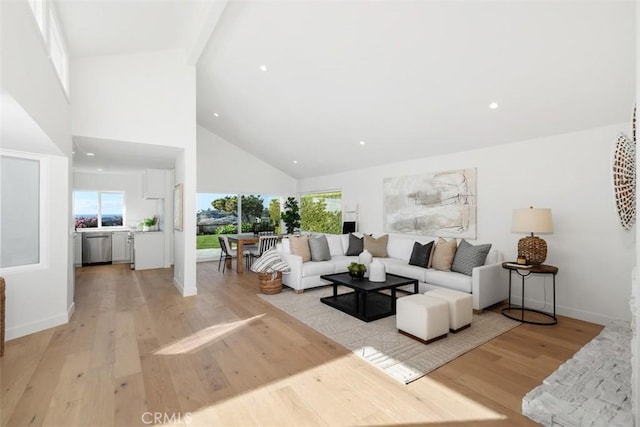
[[146, 97], [225, 168], [39, 297], [569, 173]]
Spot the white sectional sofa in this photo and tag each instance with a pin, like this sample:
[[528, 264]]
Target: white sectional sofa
[[488, 284]]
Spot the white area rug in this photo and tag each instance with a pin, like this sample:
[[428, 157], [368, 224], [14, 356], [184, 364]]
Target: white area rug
[[379, 342], [591, 389]]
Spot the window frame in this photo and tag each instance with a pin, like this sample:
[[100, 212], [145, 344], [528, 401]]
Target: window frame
[[43, 206], [100, 213]]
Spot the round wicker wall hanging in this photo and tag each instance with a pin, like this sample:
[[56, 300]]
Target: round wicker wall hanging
[[624, 176]]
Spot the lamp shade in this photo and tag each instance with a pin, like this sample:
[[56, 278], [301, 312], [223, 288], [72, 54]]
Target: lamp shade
[[532, 220]]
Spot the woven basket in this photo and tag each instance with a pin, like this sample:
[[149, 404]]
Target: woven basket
[[270, 284]]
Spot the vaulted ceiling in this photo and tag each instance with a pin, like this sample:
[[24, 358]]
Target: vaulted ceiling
[[317, 87]]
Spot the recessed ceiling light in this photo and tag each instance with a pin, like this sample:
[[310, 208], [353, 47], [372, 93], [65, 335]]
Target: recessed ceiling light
[[263, 67], [295, 162], [73, 152], [99, 169], [361, 142], [493, 105], [216, 115], [90, 154]]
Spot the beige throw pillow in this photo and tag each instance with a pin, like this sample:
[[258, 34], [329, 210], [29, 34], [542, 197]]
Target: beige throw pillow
[[433, 250], [443, 254], [376, 246], [299, 245]]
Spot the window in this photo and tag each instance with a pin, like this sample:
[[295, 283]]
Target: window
[[93, 209], [321, 212], [20, 199], [222, 213], [49, 25], [58, 51]]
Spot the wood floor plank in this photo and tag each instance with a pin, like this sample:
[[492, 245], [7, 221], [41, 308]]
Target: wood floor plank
[[225, 357], [34, 403], [127, 357]]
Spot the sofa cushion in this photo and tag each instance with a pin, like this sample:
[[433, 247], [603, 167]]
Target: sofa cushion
[[420, 254], [319, 248], [449, 279], [401, 268], [318, 268], [335, 244], [356, 245], [443, 254], [342, 262], [469, 256], [299, 245], [399, 247], [376, 246]]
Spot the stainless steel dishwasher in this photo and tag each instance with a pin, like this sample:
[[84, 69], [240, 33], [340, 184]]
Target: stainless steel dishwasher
[[96, 248]]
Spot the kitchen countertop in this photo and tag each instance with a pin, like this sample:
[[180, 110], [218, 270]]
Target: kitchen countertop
[[104, 230]]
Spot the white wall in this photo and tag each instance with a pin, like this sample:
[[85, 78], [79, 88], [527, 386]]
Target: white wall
[[146, 97], [571, 174], [137, 207], [184, 275], [225, 168], [39, 297]]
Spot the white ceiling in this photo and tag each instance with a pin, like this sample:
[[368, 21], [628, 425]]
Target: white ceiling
[[411, 79]]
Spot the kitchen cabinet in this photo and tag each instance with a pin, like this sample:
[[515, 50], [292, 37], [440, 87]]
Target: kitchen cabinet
[[148, 248], [120, 251], [154, 183], [77, 249]]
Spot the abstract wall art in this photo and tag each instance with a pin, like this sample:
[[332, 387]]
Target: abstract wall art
[[433, 204]]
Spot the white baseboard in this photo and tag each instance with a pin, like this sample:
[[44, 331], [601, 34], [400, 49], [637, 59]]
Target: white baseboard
[[567, 311], [33, 327], [70, 311], [185, 292]]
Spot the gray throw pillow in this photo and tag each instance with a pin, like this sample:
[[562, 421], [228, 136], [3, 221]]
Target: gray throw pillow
[[356, 245], [319, 247], [469, 256]]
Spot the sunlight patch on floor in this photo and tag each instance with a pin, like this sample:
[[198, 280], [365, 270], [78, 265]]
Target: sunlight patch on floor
[[304, 398], [204, 337]]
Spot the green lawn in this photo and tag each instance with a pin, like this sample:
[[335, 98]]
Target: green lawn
[[207, 241]]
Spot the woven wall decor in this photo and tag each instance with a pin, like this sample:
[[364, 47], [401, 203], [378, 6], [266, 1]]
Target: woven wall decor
[[624, 179]]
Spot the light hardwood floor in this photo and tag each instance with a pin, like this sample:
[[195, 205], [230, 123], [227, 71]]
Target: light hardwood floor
[[136, 353]]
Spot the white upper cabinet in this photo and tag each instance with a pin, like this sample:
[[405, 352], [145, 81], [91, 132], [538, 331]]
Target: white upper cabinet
[[154, 183]]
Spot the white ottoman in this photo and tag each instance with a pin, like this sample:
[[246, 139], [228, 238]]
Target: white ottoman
[[460, 307], [422, 317]]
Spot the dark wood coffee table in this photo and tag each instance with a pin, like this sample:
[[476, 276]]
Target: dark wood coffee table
[[366, 302]]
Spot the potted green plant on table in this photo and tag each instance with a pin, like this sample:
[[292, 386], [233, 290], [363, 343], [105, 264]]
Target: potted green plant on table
[[149, 223], [291, 215], [356, 270]]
